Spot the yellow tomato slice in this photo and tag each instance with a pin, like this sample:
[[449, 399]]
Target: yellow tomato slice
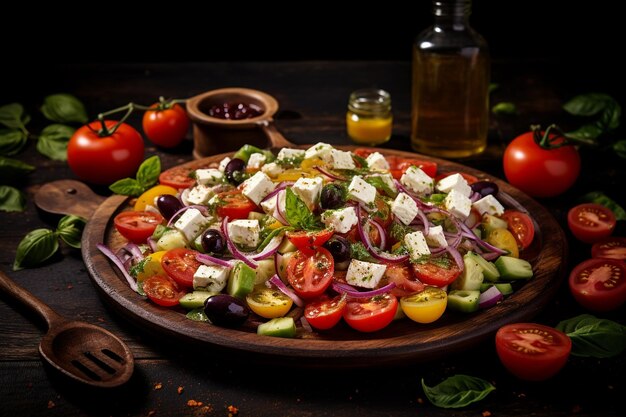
[[311, 163], [268, 302], [426, 306], [503, 239], [147, 198], [152, 266]]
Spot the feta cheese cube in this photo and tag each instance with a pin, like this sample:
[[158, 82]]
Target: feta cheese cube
[[417, 181], [454, 182], [256, 160], [376, 160], [244, 232], [365, 274], [387, 180], [211, 277], [199, 194], [361, 191], [269, 206], [209, 176], [342, 220], [436, 238], [191, 223], [488, 204], [257, 187], [290, 153], [416, 245], [404, 208], [272, 169], [341, 159], [458, 204], [223, 163], [309, 190], [320, 150]]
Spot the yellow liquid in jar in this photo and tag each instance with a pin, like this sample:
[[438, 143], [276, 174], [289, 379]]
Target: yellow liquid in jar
[[368, 130], [450, 111]]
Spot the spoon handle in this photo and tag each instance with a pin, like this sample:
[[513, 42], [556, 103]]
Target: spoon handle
[[29, 300]]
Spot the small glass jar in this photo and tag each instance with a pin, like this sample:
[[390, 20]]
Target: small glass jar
[[369, 120]]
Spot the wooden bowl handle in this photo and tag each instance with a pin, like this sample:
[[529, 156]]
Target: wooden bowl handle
[[276, 139], [68, 197]]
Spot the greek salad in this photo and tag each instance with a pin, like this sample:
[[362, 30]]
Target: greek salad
[[313, 237]]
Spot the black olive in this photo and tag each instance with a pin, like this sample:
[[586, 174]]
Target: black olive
[[332, 197], [213, 242], [226, 311], [339, 247], [168, 205], [233, 166], [485, 188]]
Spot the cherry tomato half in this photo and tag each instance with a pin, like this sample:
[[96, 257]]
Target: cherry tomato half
[[165, 127], [268, 302], [532, 351], [325, 313], [426, 306], [177, 177], [599, 284], [540, 172], [406, 282], [371, 314], [104, 160], [311, 275], [137, 226], [181, 264], [590, 222], [610, 248], [162, 290], [234, 205], [308, 242], [439, 272], [521, 226]]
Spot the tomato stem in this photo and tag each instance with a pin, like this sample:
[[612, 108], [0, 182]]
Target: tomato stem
[[554, 138]]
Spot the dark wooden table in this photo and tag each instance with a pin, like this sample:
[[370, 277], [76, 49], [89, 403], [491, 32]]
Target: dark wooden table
[[312, 98]]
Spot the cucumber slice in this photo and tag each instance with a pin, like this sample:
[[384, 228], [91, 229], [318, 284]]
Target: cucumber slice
[[278, 327], [504, 287], [286, 246], [463, 300], [171, 240], [241, 280], [255, 215], [490, 272], [491, 222], [471, 277], [195, 299], [282, 265], [514, 268], [264, 271], [197, 314]]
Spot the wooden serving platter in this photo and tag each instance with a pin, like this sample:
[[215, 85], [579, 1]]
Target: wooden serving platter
[[400, 343]]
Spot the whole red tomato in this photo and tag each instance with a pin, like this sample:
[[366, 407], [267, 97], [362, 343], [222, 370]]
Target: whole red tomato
[[105, 159], [165, 127], [537, 171]]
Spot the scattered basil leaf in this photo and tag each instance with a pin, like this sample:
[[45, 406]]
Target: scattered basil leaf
[[620, 148], [586, 132], [12, 116], [594, 104], [11, 169], [599, 197], [493, 87], [127, 186], [457, 391], [362, 161], [11, 199], [37, 246], [70, 230], [148, 172], [246, 150], [298, 214], [504, 107], [64, 108], [588, 104], [197, 314], [380, 184], [11, 141], [594, 337], [53, 141], [610, 117]]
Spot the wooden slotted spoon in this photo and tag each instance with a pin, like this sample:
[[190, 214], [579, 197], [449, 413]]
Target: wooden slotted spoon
[[81, 351]]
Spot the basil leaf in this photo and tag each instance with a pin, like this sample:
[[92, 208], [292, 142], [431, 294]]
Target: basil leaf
[[493, 87], [457, 391], [11, 169], [599, 197], [298, 214], [620, 148], [380, 184], [586, 132], [11, 141], [11, 199], [127, 186], [64, 108], [610, 117], [148, 172], [12, 116], [594, 337], [588, 104], [504, 107], [35, 247], [362, 161], [53, 141], [70, 230]]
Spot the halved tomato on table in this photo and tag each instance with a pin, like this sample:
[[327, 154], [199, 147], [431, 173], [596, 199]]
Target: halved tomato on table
[[439, 271], [234, 205], [137, 226], [308, 241], [162, 290], [521, 226], [591, 222], [324, 313], [181, 264], [610, 248], [177, 177], [311, 275], [371, 314], [599, 284]]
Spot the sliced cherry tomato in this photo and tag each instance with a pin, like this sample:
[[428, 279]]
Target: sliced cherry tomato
[[324, 313], [371, 314], [177, 177], [406, 282], [610, 248], [147, 198], [532, 351], [180, 264], [268, 302], [471, 179], [399, 165], [308, 242], [599, 284], [521, 226], [151, 266], [382, 215], [234, 205], [439, 271], [426, 306], [363, 152], [311, 275], [165, 124], [503, 239], [162, 290], [137, 226], [590, 222]]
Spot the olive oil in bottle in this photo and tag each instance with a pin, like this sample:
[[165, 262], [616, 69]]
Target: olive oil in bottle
[[451, 67]]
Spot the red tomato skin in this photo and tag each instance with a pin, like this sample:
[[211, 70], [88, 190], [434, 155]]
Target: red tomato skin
[[471, 179], [610, 248], [308, 242], [521, 226], [237, 206], [104, 160], [137, 226], [540, 172], [529, 365], [307, 280], [166, 128], [431, 274], [177, 177], [590, 222], [325, 313], [162, 290], [386, 306], [180, 264], [604, 291]]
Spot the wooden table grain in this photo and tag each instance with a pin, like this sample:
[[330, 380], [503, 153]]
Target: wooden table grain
[[173, 379]]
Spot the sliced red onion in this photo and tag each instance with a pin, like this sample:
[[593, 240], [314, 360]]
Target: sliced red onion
[[212, 260], [490, 297], [473, 219], [233, 249], [202, 209], [343, 288], [276, 281], [305, 324], [424, 220], [278, 189], [458, 259], [152, 244], [281, 216], [490, 256], [470, 235], [134, 250], [403, 189], [269, 250], [278, 260], [330, 174], [382, 232], [387, 257], [109, 254]]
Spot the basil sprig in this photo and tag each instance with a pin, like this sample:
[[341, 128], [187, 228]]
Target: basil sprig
[[147, 176], [594, 337], [457, 391], [599, 197], [40, 244], [53, 141], [12, 116], [11, 199], [298, 214], [64, 108]]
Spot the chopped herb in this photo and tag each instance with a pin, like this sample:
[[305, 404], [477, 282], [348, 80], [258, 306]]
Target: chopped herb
[[436, 198], [359, 252], [421, 260], [380, 184], [293, 162], [138, 268], [400, 250], [360, 160], [442, 262], [398, 231]]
